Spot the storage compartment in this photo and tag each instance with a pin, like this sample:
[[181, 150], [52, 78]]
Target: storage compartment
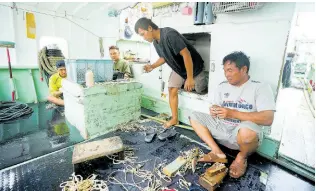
[[76, 70], [202, 43]]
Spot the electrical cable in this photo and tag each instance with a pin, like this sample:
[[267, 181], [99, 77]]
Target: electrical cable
[[11, 110], [132, 7], [38, 12]]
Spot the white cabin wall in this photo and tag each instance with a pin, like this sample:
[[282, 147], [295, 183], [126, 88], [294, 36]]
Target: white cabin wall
[[81, 43], [6, 34], [261, 34], [26, 48], [264, 43], [265, 29]]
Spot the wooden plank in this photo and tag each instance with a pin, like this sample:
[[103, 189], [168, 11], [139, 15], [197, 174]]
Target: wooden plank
[[91, 150], [171, 169]]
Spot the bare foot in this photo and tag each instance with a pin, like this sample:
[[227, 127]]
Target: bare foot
[[238, 167], [170, 123]]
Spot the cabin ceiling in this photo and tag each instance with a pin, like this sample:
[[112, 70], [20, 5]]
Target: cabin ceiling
[[77, 9]]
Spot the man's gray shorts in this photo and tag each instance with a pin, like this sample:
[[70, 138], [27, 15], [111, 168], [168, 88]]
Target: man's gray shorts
[[176, 81], [224, 134]]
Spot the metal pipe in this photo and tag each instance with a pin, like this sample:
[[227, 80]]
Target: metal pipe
[[9, 62], [11, 77]]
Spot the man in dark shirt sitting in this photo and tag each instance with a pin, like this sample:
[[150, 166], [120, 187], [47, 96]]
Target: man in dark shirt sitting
[[186, 63]]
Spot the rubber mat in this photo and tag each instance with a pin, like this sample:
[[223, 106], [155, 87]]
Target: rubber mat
[[41, 133], [46, 173]]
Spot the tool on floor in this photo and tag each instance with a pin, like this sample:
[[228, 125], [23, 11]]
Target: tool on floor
[[213, 176], [7, 45]]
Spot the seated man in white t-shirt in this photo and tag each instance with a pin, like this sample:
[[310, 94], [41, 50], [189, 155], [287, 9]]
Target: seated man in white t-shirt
[[241, 106]]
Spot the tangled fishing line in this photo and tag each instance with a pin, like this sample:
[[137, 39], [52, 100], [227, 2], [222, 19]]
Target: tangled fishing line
[[152, 179], [77, 183], [133, 175], [132, 126], [190, 156]]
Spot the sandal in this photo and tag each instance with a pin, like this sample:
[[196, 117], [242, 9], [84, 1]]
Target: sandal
[[150, 135], [211, 157], [239, 169], [166, 134]]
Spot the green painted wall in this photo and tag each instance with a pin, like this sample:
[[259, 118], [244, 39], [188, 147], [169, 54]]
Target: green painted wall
[[29, 88]]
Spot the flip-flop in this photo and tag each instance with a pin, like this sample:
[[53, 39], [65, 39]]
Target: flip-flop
[[240, 169], [167, 133], [211, 157], [150, 135]]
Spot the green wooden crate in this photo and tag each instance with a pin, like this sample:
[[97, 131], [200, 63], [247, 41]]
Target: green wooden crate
[[97, 110]]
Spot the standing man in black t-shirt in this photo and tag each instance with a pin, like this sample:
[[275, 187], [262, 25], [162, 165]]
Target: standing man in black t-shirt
[[186, 63]]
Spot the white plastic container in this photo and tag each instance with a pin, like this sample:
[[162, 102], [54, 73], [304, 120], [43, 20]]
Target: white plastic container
[[89, 79]]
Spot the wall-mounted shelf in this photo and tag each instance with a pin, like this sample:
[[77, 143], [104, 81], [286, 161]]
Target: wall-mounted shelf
[[136, 41]]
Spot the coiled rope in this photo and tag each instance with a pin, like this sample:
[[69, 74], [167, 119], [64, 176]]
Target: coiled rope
[[12, 110]]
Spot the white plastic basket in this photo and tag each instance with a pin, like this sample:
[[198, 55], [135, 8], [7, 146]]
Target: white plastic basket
[[76, 69], [230, 7]]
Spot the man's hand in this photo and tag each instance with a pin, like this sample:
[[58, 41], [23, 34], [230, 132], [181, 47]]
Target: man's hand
[[213, 110], [189, 84], [126, 76], [57, 93], [148, 68], [223, 113]]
